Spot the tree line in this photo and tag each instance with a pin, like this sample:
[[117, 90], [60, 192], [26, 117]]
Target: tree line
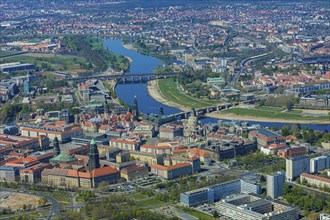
[[100, 58]]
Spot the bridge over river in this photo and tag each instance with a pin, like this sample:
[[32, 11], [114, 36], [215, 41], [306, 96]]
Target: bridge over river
[[209, 109], [123, 78]]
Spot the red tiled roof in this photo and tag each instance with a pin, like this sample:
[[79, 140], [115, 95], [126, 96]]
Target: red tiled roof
[[103, 171], [291, 137], [103, 127], [36, 168], [199, 152], [176, 166], [179, 151], [127, 170], [326, 75], [155, 147], [275, 146], [193, 158], [123, 141], [21, 162], [327, 180], [39, 157]]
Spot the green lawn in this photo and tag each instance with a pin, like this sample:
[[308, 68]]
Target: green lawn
[[270, 112], [170, 91], [200, 215], [3, 53], [150, 202], [137, 196], [55, 60]]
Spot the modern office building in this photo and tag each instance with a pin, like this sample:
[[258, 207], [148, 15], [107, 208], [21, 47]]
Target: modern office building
[[250, 187], [275, 182], [8, 173], [320, 163], [324, 216], [296, 166], [194, 197], [222, 190], [219, 191], [253, 207]]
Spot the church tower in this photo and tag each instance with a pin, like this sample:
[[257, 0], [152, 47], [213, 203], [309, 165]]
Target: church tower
[[94, 159], [106, 108], [56, 147], [161, 111], [136, 109]]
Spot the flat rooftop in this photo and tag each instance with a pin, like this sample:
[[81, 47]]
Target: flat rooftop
[[267, 133]]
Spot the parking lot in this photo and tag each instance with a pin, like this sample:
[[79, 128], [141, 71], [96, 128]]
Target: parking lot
[[206, 208]]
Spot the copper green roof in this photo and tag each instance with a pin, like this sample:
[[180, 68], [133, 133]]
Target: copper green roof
[[93, 141], [63, 158]]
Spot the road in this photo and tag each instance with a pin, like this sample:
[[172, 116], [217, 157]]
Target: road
[[55, 208], [12, 55], [73, 203], [185, 216]]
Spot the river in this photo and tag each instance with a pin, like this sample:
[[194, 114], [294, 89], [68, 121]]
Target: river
[[146, 64]]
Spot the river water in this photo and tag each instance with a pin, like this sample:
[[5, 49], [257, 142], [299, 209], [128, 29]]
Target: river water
[[146, 64]]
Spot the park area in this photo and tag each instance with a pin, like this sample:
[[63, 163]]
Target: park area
[[51, 62], [276, 113], [169, 90]]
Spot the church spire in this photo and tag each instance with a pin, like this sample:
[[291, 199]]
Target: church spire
[[94, 159], [106, 108], [136, 109], [56, 147]]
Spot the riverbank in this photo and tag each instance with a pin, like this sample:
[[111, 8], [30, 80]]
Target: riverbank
[[262, 119], [129, 47], [155, 93]]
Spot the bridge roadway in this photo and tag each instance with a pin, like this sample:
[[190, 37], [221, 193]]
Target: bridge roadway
[[209, 109], [244, 61], [141, 77]]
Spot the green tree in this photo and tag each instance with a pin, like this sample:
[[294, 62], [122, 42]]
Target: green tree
[[285, 131], [304, 181], [262, 179]]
